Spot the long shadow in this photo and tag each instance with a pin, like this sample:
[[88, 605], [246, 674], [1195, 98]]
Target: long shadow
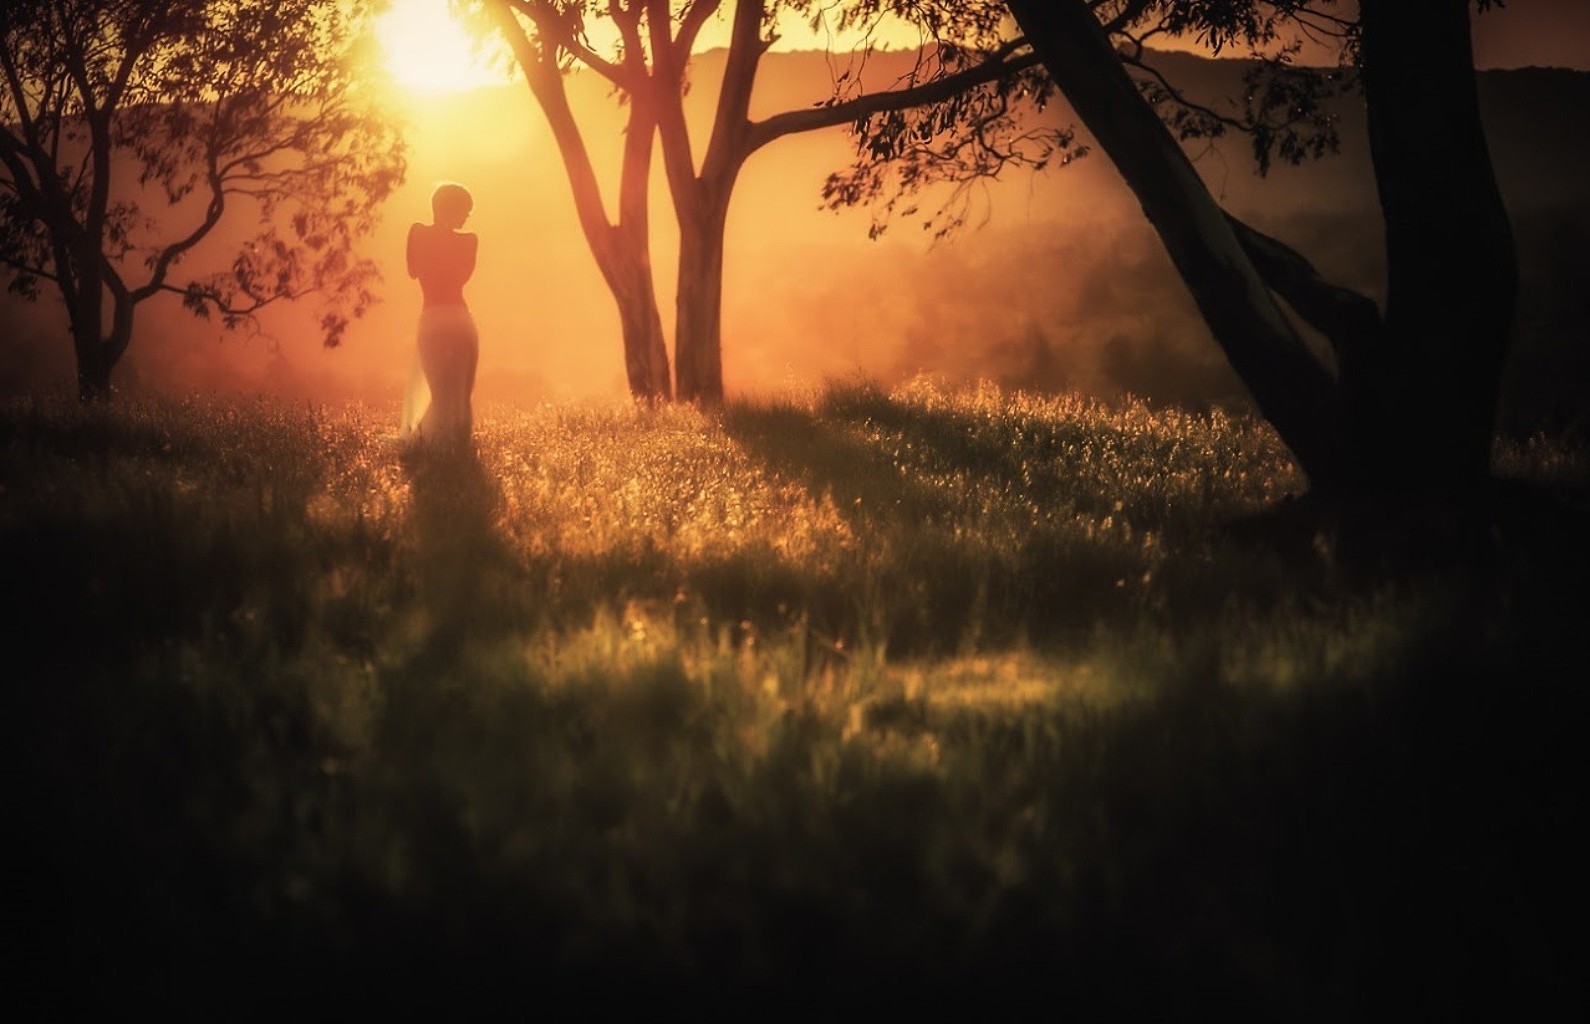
[[1040, 459], [944, 585], [467, 579], [869, 486]]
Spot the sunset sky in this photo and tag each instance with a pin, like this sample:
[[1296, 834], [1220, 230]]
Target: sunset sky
[[430, 52], [549, 327], [470, 121]]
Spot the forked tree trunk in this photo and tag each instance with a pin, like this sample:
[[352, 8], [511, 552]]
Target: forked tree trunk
[[1414, 410], [701, 201], [1452, 266]]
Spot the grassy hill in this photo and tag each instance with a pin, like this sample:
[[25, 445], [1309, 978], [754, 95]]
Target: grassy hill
[[926, 693]]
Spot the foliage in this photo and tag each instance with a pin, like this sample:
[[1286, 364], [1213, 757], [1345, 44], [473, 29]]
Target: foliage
[[924, 693], [1283, 110], [130, 132]]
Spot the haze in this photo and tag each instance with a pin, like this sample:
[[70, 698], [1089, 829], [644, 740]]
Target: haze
[[1062, 286]]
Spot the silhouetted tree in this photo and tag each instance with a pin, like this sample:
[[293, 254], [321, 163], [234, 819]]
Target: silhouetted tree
[[129, 131], [1409, 405], [702, 190], [650, 68], [549, 38]]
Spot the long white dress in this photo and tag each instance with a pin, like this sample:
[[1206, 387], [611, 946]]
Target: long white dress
[[416, 399], [436, 404]]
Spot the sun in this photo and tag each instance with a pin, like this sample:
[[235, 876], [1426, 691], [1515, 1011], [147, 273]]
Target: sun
[[429, 51]]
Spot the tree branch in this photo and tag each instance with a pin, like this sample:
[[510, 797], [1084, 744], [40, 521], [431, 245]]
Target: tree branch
[[169, 255], [691, 24], [1180, 99], [1347, 318], [739, 77], [790, 122], [28, 268], [668, 69], [1127, 15], [553, 26]]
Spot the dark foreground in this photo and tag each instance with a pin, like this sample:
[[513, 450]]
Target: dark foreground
[[919, 697]]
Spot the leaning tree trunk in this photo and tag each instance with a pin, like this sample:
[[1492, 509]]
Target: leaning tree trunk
[[1291, 388], [698, 335], [1452, 266]]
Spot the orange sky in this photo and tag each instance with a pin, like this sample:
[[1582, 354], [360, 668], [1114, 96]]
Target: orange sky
[[429, 52], [807, 295]]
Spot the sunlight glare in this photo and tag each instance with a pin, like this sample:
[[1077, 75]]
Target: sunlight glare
[[428, 51]]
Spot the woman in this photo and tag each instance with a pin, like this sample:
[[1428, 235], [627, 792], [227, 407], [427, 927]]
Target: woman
[[442, 258]]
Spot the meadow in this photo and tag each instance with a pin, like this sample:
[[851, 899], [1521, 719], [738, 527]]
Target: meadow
[[926, 694]]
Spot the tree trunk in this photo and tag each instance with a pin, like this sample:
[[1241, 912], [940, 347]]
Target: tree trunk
[[629, 278], [698, 335], [622, 250], [93, 367], [701, 202], [1453, 274], [95, 356], [1292, 389]]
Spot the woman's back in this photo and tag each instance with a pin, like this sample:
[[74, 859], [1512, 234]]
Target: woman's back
[[442, 261]]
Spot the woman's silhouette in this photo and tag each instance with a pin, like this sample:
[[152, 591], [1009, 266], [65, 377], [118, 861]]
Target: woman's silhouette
[[442, 258]]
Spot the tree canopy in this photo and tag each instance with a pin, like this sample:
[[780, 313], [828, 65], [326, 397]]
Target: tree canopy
[[129, 131]]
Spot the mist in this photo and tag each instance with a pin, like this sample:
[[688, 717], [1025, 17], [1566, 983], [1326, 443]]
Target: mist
[[1056, 283]]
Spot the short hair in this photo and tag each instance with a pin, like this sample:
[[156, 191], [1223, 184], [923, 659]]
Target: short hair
[[451, 198]]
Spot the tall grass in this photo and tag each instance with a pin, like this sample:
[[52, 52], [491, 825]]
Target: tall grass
[[979, 690]]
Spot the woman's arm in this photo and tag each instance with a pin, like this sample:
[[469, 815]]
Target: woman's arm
[[471, 248]]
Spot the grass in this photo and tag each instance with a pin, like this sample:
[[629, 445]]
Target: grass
[[932, 694]]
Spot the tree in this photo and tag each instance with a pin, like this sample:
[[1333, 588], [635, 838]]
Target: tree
[[702, 192], [548, 39], [130, 131], [649, 67], [1408, 408]]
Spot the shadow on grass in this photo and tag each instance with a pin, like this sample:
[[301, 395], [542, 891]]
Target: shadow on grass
[[226, 810], [467, 581], [1046, 563], [867, 483]]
